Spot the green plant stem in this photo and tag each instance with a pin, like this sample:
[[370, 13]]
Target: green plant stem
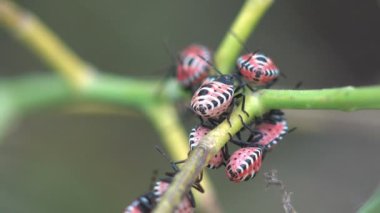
[[8, 114], [34, 92], [30, 93], [345, 98], [247, 20], [373, 204]]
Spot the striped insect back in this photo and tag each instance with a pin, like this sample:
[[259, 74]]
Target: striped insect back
[[257, 69], [244, 163], [187, 204], [142, 204], [213, 97], [191, 68], [195, 136], [273, 127]]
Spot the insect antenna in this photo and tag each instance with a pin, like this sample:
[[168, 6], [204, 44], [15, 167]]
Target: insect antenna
[[174, 57], [211, 65], [240, 41], [172, 163]]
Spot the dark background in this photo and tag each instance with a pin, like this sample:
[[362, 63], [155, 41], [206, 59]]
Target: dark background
[[55, 161]]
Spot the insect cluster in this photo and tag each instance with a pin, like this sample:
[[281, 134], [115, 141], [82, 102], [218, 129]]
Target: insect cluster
[[214, 97], [146, 202]]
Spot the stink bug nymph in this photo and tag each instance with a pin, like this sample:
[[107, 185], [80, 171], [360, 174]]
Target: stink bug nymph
[[191, 68], [213, 98], [187, 204], [244, 163], [266, 132], [196, 135], [257, 69]]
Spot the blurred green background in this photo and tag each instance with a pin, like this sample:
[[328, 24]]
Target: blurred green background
[[54, 161]]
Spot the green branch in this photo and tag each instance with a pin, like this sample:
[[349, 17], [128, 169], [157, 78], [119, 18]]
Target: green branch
[[373, 203], [346, 98], [8, 114], [34, 92]]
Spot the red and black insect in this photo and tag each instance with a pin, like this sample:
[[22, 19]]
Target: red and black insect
[[196, 135], [257, 69], [273, 127], [142, 204], [267, 131], [192, 69], [215, 98], [146, 202], [161, 186], [244, 163]]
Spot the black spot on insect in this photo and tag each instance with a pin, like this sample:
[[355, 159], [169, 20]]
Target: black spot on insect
[[221, 99], [261, 58], [244, 166], [258, 73], [207, 86], [226, 95], [190, 61], [215, 103], [230, 91], [248, 161], [203, 92], [244, 63]]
